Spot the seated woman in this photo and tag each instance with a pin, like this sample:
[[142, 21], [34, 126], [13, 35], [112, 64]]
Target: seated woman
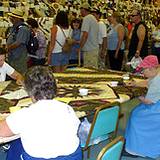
[[48, 128], [6, 69], [143, 129]]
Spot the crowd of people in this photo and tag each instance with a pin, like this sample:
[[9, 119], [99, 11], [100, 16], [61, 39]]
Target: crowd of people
[[95, 45], [112, 40], [97, 42]]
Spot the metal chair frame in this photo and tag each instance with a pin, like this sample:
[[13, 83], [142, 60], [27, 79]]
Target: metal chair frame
[[111, 134], [117, 141]]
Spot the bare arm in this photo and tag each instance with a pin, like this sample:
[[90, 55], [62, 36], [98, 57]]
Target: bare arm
[[5, 130], [145, 100], [141, 32], [104, 47], [18, 77], [13, 46], [143, 83], [120, 31], [52, 41], [83, 39]]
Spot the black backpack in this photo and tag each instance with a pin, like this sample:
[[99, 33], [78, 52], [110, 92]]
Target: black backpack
[[32, 45]]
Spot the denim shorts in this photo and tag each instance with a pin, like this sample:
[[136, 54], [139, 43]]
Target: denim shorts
[[59, 59]]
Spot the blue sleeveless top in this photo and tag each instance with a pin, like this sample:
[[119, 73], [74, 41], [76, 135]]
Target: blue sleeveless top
[[76, 36], [112, 38]]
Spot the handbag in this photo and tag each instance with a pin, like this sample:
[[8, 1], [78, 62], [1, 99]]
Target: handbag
[[67, 46], [135, 61]]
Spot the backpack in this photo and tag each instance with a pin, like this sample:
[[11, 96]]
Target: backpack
[[33, 44], [67, 46]]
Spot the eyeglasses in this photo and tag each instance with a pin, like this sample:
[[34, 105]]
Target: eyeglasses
[[134, 15]]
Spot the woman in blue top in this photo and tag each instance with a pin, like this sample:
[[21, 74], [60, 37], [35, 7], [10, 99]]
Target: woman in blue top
[[76, 33], [115, 43], [143, 129]]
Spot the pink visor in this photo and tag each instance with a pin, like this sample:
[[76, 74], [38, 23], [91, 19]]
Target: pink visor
[[149, 62]]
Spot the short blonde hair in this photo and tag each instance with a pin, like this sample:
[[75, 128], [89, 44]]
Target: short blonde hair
[[117, 15]]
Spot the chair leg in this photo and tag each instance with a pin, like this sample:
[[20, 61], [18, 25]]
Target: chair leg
[[88, 152]]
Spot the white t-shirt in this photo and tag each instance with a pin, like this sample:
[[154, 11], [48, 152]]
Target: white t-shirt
[[102, 32], [90, 25], [48, 128], [6, 69]]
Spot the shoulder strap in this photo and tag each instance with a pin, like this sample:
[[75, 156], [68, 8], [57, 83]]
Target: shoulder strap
[[64, 36], [70, 32], [59, 43], [56, 39], [19, 26], [63, 32]]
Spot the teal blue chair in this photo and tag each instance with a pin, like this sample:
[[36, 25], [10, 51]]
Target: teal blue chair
[[113, 150], [104, 125]]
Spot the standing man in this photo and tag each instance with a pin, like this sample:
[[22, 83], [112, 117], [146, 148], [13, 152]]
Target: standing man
[[102, 38], [17, 41], [139, 39], [89, 37]]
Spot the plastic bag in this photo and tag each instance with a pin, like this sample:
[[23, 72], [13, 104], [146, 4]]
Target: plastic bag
[[84, 130], [135, 62]]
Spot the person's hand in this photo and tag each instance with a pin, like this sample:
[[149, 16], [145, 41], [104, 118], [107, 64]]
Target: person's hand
[[7, 48], [141, 98], [116, 55], [103, 54], [131, 83], [144, 100], [78, 50], [76, 42], [20, 82], [126, 52]]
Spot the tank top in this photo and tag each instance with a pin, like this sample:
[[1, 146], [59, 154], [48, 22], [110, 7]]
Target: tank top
[[61, 39], [113, 39], [134, 42]]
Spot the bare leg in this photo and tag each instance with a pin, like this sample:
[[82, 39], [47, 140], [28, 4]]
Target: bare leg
[[63, 68], [56, 69]]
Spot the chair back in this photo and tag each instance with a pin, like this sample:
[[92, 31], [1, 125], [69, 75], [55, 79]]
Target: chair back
[[104, 122], [113, 150]]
